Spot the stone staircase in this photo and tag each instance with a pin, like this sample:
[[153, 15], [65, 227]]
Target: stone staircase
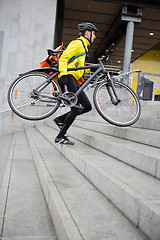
[[24, 214], [105, 187]]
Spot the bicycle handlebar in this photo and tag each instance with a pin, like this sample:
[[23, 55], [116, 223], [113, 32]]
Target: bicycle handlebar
[[109, 50]]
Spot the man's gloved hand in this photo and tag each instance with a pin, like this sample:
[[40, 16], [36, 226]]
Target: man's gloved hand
[[94, 67]]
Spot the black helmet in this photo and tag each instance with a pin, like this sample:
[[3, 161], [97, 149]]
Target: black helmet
[[87, 26]]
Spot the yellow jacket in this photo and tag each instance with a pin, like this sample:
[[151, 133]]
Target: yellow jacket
[[74, 48]]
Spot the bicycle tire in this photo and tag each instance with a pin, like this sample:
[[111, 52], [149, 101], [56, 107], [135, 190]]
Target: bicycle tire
[[20, 96], [125, 113]]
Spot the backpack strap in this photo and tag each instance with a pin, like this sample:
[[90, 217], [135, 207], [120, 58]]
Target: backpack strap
[[79, 55], [48, 60], [86, 50]]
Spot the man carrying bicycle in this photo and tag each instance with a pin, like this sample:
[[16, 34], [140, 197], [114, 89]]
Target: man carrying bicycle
[[74, 56]]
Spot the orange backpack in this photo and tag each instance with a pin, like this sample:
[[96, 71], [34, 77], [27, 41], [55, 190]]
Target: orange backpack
[[51, 60]]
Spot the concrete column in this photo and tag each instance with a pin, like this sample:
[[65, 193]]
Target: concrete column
[[128, 50]]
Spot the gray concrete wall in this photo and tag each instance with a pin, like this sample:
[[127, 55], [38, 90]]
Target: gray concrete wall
[[26, 31]]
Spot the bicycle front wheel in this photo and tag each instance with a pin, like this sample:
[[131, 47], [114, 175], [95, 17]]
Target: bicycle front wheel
[[24, 101], [125, 112]]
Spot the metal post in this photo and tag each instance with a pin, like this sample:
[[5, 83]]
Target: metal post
[[128, 51]]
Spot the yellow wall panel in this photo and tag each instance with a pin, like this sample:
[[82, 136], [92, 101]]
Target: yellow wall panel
[[148, 63]]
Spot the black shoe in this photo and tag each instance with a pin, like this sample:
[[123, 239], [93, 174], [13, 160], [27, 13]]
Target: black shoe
[[58, 123], [63, 140]]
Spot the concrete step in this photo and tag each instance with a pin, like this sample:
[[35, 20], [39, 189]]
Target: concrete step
[[148, 123], [149, 119], [144, 136], [79, 210], [140, 156], [5, 145], [151, 106], [24, 213], [135, 193], [150, 116], [144, 122], [150, 113]]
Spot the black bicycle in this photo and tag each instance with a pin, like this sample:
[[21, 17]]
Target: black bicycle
[[36, 95]]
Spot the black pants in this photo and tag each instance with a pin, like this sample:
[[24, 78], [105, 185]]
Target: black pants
[[69, 117]]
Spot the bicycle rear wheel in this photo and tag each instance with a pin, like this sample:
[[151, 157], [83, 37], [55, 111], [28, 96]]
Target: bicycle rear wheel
[[126, 112], [26, 104]]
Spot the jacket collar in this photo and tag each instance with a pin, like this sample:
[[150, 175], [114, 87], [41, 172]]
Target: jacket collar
[[85, 40]]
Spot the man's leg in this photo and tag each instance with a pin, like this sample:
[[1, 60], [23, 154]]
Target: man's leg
[[69, 117]]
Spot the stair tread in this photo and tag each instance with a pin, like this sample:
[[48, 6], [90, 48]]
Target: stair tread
[[144, 184], [22, 195], [143, 122], [93, 214], [5, 144], [143, 157], [131, 128], [147, 137], [139, 155], [142, 148]]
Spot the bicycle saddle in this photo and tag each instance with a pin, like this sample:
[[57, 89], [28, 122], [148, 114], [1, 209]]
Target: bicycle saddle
[[54, 52]]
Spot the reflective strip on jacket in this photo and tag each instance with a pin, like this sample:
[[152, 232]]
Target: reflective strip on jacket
[[74, 48]]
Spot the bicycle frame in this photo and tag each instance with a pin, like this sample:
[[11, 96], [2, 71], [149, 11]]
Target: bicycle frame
[[100, 68]]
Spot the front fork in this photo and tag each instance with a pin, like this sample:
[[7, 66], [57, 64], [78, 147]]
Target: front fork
[[112, 91]]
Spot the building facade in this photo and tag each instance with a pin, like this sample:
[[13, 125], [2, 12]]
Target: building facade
[[27, 29]]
